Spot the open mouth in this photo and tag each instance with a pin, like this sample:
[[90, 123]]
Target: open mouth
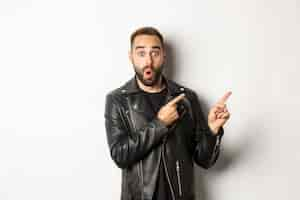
[[148, 73]]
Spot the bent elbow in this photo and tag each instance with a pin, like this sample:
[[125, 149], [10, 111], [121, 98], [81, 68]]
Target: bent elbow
[[120, 156]]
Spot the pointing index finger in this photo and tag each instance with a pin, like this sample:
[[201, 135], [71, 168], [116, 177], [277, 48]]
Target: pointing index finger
[[176, 99], [225, 97]]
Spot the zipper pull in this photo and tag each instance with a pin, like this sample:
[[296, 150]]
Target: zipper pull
[[178, 177]]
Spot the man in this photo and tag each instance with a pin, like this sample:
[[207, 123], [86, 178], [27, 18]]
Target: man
[[156, 129]]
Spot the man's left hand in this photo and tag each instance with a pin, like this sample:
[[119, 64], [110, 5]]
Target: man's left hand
[[218, 114]]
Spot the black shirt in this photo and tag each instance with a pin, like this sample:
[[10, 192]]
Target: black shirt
[[162, 190]]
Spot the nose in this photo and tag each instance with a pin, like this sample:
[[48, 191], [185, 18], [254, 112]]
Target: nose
[[149, 60]]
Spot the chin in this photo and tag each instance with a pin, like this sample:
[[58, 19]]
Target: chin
[[149, 82]]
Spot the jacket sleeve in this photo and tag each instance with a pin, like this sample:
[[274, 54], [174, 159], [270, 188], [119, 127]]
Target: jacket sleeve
[[127, 148], [206, 145]]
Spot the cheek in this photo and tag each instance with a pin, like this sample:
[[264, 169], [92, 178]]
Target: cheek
[[159, 61], [137, 65], [138, 61]]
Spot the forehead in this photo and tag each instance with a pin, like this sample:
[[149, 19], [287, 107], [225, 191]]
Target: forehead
[[147, 41]]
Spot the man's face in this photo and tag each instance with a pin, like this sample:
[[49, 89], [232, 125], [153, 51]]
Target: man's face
[[147, 56]]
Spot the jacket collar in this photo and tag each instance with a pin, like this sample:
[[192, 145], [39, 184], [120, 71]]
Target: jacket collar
[[131, 87]]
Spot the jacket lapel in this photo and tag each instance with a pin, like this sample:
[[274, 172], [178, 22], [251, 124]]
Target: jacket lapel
[[138, 102]]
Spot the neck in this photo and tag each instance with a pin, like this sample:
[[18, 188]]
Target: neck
[[159, 86]]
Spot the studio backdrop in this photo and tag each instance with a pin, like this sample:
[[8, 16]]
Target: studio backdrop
[[58, 60]]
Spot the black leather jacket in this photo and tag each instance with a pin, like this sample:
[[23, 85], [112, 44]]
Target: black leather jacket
[[138, 141]]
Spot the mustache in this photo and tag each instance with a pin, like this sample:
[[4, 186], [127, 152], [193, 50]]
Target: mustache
[[146, 67], [151, 68]]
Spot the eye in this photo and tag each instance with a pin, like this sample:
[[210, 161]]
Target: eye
[[141, 53], [155, 53]]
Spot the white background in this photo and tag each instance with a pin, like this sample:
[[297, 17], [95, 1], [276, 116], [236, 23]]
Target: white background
[[59, 58]]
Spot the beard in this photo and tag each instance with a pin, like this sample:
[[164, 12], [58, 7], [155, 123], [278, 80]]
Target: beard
[[157, 73]]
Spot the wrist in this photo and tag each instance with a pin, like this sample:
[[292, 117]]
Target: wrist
[[214, 130]]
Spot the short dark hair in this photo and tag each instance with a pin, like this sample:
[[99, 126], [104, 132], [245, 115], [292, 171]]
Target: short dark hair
[[147, 30]]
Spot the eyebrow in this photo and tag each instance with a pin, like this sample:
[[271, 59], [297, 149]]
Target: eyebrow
[[142, 47]]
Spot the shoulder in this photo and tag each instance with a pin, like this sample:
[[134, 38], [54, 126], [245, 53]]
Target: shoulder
[[179, 88], [117, 94], [114, 96]]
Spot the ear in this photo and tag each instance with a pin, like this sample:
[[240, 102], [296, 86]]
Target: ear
[[130, 55], [164, 53]]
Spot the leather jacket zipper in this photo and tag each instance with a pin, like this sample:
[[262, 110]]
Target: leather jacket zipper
[[167, 174], [142, 178], [178, 178]]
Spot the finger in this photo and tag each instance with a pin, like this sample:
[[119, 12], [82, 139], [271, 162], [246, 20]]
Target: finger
[[225, 115], [225, 97], [220, 106], [219, 109], [176, 99], [174, 117], [214, 110], [219, 115], [222, 110], [225, 109]]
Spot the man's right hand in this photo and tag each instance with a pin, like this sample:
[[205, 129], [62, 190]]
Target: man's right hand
[[168, 113]]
